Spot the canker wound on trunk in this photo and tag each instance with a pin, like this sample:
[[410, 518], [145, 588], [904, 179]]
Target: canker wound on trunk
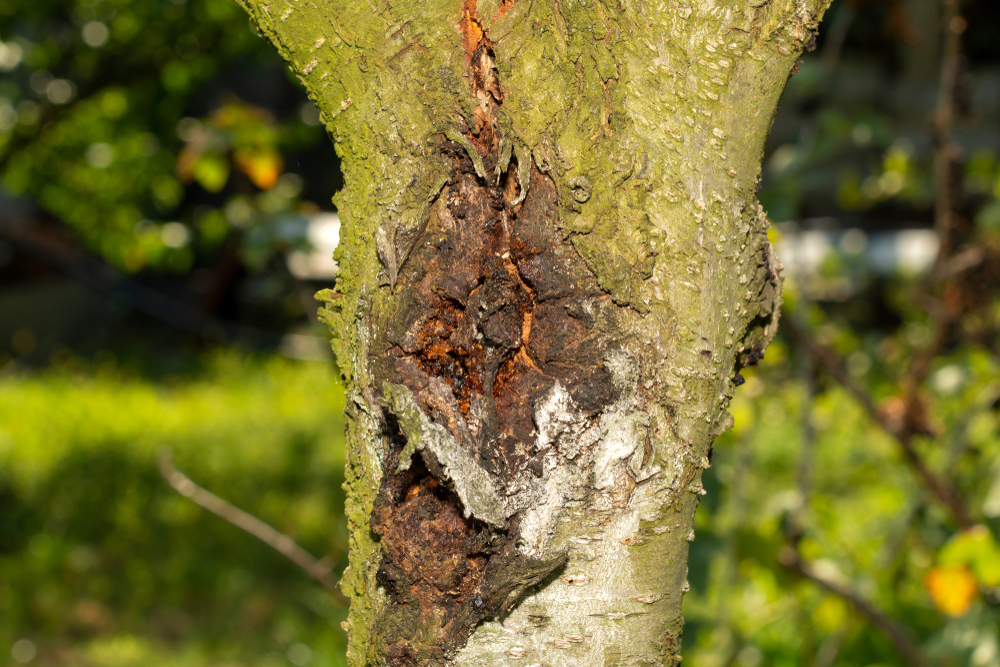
[[491, 308]]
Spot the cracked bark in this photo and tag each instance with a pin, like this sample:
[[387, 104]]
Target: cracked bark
[[553, 266]]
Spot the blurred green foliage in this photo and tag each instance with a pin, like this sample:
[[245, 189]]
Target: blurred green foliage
[[121, 120], [805, 468], [806, 452], [103, 564], [126, 121]]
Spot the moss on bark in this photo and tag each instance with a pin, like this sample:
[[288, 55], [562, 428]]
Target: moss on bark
[[610, 150]]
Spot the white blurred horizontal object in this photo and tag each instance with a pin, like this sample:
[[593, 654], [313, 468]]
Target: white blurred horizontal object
[[829, 262], [905, 251], [317, 263]]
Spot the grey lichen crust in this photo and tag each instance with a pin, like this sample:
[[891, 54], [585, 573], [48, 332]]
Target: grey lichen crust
[[606, 503], [647, 124], [602, 500]]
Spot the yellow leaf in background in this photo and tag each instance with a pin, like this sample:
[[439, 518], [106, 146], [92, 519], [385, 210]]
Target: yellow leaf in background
[[263, 165], [952, 587]]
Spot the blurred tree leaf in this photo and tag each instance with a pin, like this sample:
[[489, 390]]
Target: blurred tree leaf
[[952, 587]]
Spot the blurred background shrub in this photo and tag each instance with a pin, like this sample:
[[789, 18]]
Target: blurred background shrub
[[166, 216], [102, 563]]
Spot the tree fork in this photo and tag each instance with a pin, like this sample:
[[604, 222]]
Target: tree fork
[[553, 265]]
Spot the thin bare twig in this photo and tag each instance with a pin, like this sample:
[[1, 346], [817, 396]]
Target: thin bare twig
[[283, 544], [904, 434], [834, 44], [789, 556], [946, 150], [830, 648], [897, 634], [947, 194]]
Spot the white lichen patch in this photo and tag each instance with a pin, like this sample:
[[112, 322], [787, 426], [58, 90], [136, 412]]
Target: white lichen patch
[[539, 520], [600, 483], [556, 415], [624, 436], [603, 595]]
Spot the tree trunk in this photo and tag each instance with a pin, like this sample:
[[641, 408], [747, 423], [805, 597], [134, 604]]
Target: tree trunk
[[553, 265]]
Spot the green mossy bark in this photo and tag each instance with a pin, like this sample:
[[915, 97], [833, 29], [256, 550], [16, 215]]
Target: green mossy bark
[[650, 118]]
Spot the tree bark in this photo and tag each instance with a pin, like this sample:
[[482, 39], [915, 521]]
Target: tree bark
[[553, 265]]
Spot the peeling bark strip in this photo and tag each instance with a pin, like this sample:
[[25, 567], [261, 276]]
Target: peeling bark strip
[[553, 266]]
